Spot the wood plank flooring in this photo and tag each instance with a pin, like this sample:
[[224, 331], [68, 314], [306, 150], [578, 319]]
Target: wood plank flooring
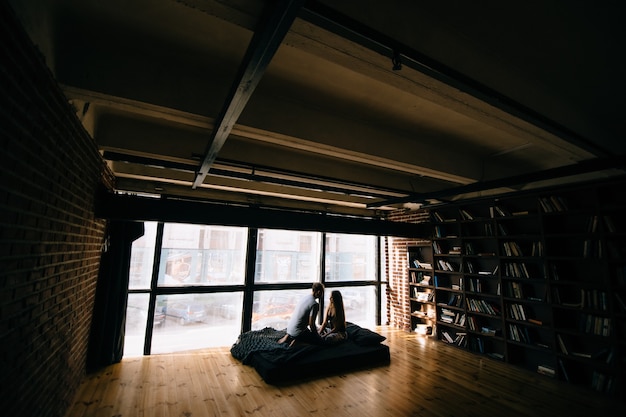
[[425, 378]]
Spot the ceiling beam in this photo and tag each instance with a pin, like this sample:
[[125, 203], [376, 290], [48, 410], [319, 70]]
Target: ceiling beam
[[273, 26], [584, 167]]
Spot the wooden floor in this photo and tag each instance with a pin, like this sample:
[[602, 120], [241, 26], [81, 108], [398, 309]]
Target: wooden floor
[[425, 378]]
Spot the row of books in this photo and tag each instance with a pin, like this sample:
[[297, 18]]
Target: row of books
[[516, 270], [592, 248], [483, 306], [517, 312], [519, 334], [460, 339], [445, 265], [419, 277], [452, 317], [594, 221], [553, 204], [593, 324]]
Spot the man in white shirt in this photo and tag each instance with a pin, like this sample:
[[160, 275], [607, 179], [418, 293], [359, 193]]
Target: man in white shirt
[[301, 326]]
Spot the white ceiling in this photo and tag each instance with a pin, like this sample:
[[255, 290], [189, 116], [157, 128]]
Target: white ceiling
[[483, 94]]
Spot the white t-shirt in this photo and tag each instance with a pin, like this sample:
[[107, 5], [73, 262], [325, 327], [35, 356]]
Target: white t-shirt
[[300, 318]]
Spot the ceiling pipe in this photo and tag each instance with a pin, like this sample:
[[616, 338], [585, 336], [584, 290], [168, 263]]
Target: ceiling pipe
[[583, 167]]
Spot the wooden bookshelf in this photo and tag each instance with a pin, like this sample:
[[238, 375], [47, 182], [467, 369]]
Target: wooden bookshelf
[[421, 289], [537, 280]]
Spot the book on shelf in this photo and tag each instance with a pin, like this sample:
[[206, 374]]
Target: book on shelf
[[546, 370], [498, 211], [488, 331], [456, 250], [466, 215], [455, 300], [517, 312], [460, 339], [422, 265], [447, 337], [601, 382], [553, 204], [563, 370], [610, 226], [516, 270], [512, 249], [446, 265], [592, 224], [422, 296], [594, 324], [620, 302], [437, 248], [519, 334], [536, 322], [482, 306], [439, 217], [562, 344]]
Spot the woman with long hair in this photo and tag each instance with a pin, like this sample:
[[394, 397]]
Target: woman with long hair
[[334, 326]]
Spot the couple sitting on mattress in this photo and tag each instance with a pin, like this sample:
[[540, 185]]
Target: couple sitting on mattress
[[302, 327]]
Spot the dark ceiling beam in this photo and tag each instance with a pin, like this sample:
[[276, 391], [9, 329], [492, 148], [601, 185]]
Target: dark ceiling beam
[[273, 26], [401, 54], [136, 208], [584, 167]]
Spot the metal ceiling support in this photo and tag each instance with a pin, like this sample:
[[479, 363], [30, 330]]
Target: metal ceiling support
[[590, 165], [326, 17], [273, 26]]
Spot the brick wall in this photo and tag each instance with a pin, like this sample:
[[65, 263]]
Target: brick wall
[[49, 239], [398, 307]]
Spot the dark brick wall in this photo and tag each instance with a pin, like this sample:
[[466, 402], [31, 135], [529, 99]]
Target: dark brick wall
[[398, 309], [49, 239]]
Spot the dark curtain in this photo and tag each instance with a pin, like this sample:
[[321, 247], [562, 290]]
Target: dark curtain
[[106, 341]]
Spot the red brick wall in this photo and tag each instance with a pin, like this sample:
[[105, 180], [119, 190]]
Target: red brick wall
[[49, 239], [398, 308]]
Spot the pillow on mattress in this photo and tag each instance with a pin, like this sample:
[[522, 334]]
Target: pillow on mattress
[[363, 337]]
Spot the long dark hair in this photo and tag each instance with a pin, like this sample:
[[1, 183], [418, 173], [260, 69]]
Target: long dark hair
[[337, 300]]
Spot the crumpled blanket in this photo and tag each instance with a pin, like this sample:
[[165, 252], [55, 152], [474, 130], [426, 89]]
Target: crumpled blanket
[[256, 341]]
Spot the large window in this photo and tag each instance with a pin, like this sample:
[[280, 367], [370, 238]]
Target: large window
[[195, 321], [350, 258], [196, 294], [287, 256], [202, 255]]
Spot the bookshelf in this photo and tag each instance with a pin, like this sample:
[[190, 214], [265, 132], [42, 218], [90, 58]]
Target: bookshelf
[[421, 289], [537, 280]]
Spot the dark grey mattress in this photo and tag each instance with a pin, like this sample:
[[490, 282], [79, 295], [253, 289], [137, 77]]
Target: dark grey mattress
[[279, 364]]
